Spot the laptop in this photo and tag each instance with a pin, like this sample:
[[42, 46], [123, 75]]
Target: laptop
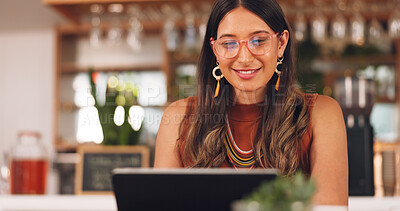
[[184, 189]]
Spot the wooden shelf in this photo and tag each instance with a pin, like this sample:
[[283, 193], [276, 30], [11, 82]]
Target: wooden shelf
[[149, 27], [183, 60], [84, 28], [352, 62], [385, 100], [363, 59], [63, 146], [74, 10], [73, 68], [380, 146], [83, 2]]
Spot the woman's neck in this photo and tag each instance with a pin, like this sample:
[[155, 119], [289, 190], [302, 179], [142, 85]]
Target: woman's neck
[[248, 97]]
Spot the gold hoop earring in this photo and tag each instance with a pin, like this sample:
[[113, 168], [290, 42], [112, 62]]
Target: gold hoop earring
[[218, 78], [280, 60]]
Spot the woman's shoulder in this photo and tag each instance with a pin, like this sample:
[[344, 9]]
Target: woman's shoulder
[[322, 108], [326, 109], [178, 109], [320, 104], [325, 105], [166, 154]]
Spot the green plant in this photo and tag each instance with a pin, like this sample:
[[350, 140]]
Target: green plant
[[113, 134], [285, 193]]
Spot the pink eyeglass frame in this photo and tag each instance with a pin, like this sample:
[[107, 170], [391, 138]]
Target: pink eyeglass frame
[[212, 43]]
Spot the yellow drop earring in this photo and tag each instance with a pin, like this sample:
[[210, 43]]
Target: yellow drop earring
[[280, 60], [218, 78]]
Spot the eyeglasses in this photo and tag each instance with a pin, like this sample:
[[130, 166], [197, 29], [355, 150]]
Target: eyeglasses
[[228, 47]]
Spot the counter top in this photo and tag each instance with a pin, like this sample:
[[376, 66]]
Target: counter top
[[107, 203], [57, 203], [358, 203]]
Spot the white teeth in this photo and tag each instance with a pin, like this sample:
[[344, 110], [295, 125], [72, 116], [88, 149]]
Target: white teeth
[[247, 72]]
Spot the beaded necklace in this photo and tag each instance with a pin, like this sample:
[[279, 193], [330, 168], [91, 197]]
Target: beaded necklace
[[236, 156]]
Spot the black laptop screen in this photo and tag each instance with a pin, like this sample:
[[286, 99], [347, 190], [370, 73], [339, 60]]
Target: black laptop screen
[[184, 189]]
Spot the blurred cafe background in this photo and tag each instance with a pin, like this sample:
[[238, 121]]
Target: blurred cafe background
[[78, 73]]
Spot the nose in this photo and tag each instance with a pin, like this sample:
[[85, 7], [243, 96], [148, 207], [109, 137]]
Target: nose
[[244, 55]]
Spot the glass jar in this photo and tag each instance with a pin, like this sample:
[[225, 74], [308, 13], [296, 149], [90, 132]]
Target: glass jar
[[29, 164]]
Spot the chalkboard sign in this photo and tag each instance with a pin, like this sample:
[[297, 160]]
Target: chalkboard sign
[[93, 172]]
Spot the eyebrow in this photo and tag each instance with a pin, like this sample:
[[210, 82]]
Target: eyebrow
[[253, 33]]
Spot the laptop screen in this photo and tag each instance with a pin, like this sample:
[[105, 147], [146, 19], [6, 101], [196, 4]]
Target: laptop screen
[[184, 189]]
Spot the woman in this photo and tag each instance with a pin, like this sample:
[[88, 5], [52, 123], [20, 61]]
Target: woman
[[247, 113]]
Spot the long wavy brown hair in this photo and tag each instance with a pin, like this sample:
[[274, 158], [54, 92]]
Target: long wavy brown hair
[[285, 117]]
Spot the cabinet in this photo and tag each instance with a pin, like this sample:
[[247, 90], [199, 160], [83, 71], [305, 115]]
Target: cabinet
[[153, 71], [153, 68]]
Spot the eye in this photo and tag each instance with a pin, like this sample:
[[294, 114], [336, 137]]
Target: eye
[[258, 41], [229, 44]]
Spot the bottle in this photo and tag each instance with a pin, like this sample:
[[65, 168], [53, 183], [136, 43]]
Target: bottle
[[29, 164]]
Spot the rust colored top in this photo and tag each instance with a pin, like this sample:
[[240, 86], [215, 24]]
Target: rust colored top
[[243, 120]]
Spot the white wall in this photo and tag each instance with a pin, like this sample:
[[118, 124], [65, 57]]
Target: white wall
[[26, 84], [26, 69]]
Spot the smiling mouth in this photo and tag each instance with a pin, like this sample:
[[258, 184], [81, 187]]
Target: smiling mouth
[[247, 71]]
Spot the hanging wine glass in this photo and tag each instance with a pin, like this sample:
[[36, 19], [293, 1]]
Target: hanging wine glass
[[114, 34], [95, 32], [318, 27], [338, 27], [300, 22], [300, 27], [205, 12], [357, 24], [171, 35], [377, 36], [338, 33], [170, 30], [190, 30], [319, 23], [375, 31], [134, 34], [394, 23], [135, 29]]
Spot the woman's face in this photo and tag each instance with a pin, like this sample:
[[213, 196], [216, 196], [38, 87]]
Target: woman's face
[[248, 72]]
